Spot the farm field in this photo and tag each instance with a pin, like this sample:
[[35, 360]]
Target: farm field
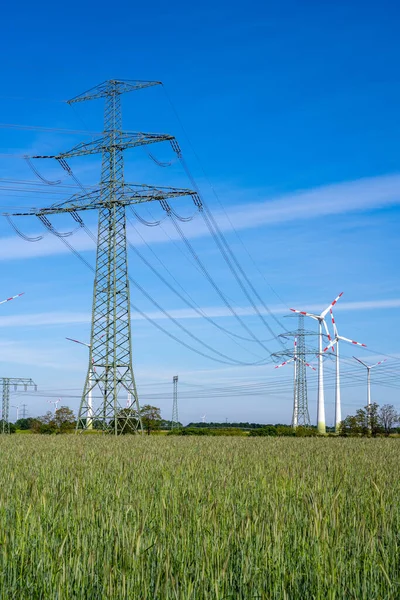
[[199, 518]]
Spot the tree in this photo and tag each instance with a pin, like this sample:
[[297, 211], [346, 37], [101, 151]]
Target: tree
[[64, 419], [349, 426], [366, 421], [263, 431], [151, 417], [374, 424], [24, 424], [388, 417]]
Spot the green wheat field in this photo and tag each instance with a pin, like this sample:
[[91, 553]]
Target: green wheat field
[[95, 517]]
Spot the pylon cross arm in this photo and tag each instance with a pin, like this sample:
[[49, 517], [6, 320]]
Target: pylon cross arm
[[123, 142], [128, 194], [112, 86]]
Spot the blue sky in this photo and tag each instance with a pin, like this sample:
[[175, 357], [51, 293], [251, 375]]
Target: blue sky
[[288, 110]]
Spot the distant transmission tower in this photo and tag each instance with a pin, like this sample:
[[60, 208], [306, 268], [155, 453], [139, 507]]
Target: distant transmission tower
[[6, 382], [24, 411], [175, 418], [302, 418], [300, 414], [110, 356]]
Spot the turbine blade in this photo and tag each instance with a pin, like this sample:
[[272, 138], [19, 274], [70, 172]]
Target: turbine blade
[[325, 312], [12, 298], [378, 363], [284, 363], [301, 312], [333, 342], [351, 341], [360, 361], [78, 342], [327, 333], [307, 364], [335, 331]]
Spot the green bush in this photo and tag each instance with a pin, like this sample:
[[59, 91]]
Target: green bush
[[267, 430]]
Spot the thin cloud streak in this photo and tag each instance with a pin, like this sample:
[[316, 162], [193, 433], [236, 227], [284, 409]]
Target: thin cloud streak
[[354, 196], [61, 318]]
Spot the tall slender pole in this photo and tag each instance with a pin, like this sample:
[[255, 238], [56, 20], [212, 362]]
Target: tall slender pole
[[295, 419], [90, 404], [175, 418], [321, 400], [369, 386], [338, 407]]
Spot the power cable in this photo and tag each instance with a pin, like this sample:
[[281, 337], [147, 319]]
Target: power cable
[[188, 303], [226, 250], [216, 195], [212, 282], [192, 304]]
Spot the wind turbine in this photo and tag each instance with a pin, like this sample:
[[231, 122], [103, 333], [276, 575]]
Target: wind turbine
[[56, 403], [321, 400], [203, 419], [336, 338], [295, 393], [369, 367], [90, 387]]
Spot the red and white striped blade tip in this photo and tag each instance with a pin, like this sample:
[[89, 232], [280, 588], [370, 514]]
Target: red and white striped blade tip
[[12, 298], [379, 363], [352, 341], [325, 312], [284, 363], [306, 314]]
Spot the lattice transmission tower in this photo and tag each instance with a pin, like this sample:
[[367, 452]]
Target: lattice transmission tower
[[300, 385], [110, 371], [6, 382], [300, 415], [175, 417]]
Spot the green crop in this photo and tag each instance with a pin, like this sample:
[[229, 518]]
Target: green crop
[[188, 518]]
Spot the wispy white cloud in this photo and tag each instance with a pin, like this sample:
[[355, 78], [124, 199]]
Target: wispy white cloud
[[354, 196], [24, 354], [44, 318], [62, 318]]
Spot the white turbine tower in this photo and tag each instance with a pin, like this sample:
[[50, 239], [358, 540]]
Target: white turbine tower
[[295, 392], [336, 338], [16, 406], [90, 386], [369, 367], [56, 403], [321, 400]]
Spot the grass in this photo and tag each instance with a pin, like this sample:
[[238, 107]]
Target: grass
[[164, 518]]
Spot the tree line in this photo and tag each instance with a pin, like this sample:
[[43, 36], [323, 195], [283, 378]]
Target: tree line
[[372, 420]]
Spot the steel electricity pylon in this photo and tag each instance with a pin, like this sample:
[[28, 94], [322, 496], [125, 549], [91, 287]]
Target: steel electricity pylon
[[303, 416], [110, 371], [175, 418], [6, 382], [300, 415]]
